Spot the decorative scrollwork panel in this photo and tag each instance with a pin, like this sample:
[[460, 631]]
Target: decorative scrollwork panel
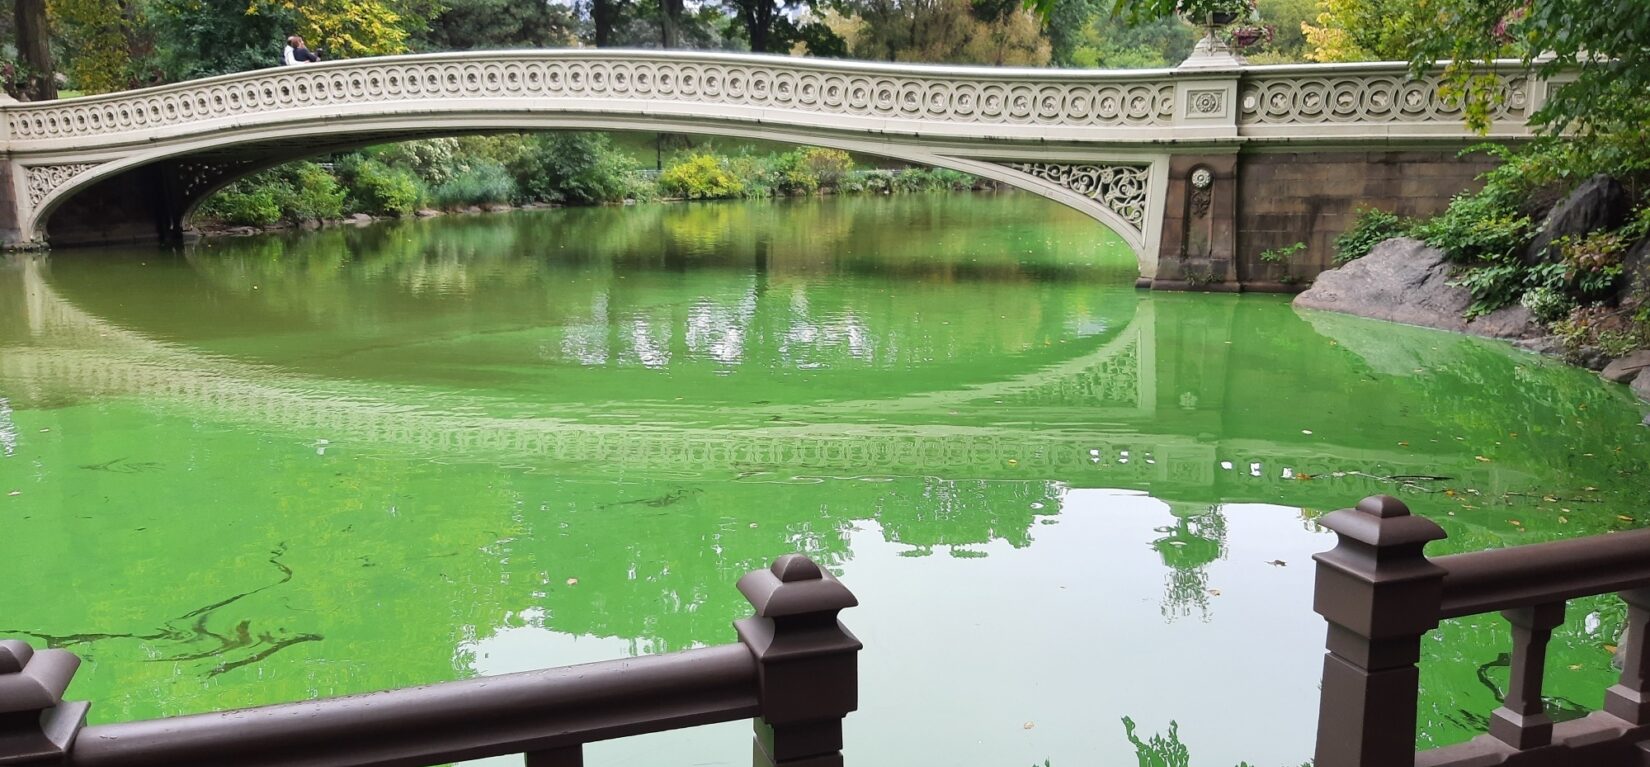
[[1120, 188], [45, 179]]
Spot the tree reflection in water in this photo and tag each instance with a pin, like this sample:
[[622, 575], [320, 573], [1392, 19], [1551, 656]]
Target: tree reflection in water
[[1196, 539]]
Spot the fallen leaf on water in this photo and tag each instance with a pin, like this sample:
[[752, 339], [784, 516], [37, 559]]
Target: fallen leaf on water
[[1512, 434], [1449, 492], [1549, 499], [1481, 459], [572, 581], [1013, 462], [1303, 477], [1622, 517], [1609, 648], [1403, 444], [1515, 523], [1575, 666], [15, 492], [1214, 592], [1564, 520], [1029, 725], [1589, 488]]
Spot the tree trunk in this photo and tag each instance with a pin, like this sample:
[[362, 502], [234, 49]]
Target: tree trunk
[[603, 13], [34, 48], [670, 23]]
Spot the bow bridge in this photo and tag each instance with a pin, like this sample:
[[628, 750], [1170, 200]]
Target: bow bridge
[[1199, 168]]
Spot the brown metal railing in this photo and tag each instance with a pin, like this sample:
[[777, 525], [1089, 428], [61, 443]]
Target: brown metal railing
[[794, 671], [1380, 594]]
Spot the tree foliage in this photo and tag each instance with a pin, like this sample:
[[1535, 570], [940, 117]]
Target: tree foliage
[[1603, 44], [955, 31], [464, 25], [350, 28]]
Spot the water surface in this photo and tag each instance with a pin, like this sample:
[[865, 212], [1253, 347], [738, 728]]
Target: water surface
[[1078, 516]]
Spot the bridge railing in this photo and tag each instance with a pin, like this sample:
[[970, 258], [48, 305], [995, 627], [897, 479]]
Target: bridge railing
[[794, 670], [1380, 594]]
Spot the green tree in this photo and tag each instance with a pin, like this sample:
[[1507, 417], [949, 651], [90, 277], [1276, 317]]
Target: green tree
[[1602, 42], [1366, 30], [34, 51], [464, 25], [103, 42], [948, 31], [350, 28], [771, 26], [196, 38]]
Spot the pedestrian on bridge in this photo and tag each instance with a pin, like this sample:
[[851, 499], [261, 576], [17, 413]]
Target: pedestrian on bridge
[[297, 53]]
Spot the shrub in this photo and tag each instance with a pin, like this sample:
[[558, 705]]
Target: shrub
[[377, 188], [485, 182], [1477, 228], [1592, 264], [574, 168], [1492, 287], [790, 174], [243, 204], [314, 195], [829, 166], [1372, 227], [1548, 304], [700, 177]]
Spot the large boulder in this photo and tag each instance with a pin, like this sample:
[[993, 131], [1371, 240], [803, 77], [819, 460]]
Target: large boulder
[[1599, 204], [1404, 280], [1627, 368], [1641, 387]]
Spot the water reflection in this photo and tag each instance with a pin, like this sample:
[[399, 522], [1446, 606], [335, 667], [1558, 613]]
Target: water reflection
[[498, 443]]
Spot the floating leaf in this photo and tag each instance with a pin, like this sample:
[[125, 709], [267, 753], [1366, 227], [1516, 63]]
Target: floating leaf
[[572, 581], [1481, 459], [1214, 592], [1029, 725]]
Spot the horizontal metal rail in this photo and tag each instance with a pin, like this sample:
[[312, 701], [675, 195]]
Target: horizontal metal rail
[[794, 670], [468, 719], [1525, 576]]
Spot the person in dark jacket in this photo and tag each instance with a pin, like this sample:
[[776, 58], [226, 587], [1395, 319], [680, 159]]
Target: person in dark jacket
[[297, 53]]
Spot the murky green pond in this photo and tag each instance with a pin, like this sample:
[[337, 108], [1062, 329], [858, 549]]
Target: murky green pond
[[1078, 516]]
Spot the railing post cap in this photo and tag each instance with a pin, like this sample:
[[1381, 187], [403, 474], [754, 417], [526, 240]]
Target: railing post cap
[[14, 655], [1382, 522], [794, 585], [1383, 506]]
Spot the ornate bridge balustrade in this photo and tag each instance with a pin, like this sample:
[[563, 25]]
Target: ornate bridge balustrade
[[1381, 594], [1198, 165], [794, 671]]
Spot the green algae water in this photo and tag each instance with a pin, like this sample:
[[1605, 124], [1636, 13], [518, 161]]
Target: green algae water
[[1079, 517]]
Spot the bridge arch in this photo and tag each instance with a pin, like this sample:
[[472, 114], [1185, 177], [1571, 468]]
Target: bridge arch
[[189, 171]]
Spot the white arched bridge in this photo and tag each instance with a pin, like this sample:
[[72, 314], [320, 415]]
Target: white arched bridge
[[1198, 168]]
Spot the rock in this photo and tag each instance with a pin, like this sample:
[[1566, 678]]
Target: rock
[[497, 207], [1546, 346], [428, 213], [1589, 357], [472, 209], [1641, 387], [1600, 203], [1635, 266], [1627, 368], [361, 218], [1404, 280]]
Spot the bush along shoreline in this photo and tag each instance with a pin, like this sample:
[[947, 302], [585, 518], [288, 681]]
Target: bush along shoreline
[[475, 174], [1553, 254]]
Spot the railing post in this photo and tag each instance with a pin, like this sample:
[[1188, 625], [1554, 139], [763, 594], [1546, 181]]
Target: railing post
[[1629, 698], [1380, 594], [808, 668], [1522, 721], [36, 725]]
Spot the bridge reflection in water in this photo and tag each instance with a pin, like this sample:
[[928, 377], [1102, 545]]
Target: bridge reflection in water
[[606, 522]]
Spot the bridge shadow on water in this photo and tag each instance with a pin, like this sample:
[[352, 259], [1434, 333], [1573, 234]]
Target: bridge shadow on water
[[550, 437]]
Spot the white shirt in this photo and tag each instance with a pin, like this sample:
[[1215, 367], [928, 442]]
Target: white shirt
[[286, 57]]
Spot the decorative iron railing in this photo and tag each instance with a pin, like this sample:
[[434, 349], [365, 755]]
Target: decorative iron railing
[[1381, 594], [794, 671]]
